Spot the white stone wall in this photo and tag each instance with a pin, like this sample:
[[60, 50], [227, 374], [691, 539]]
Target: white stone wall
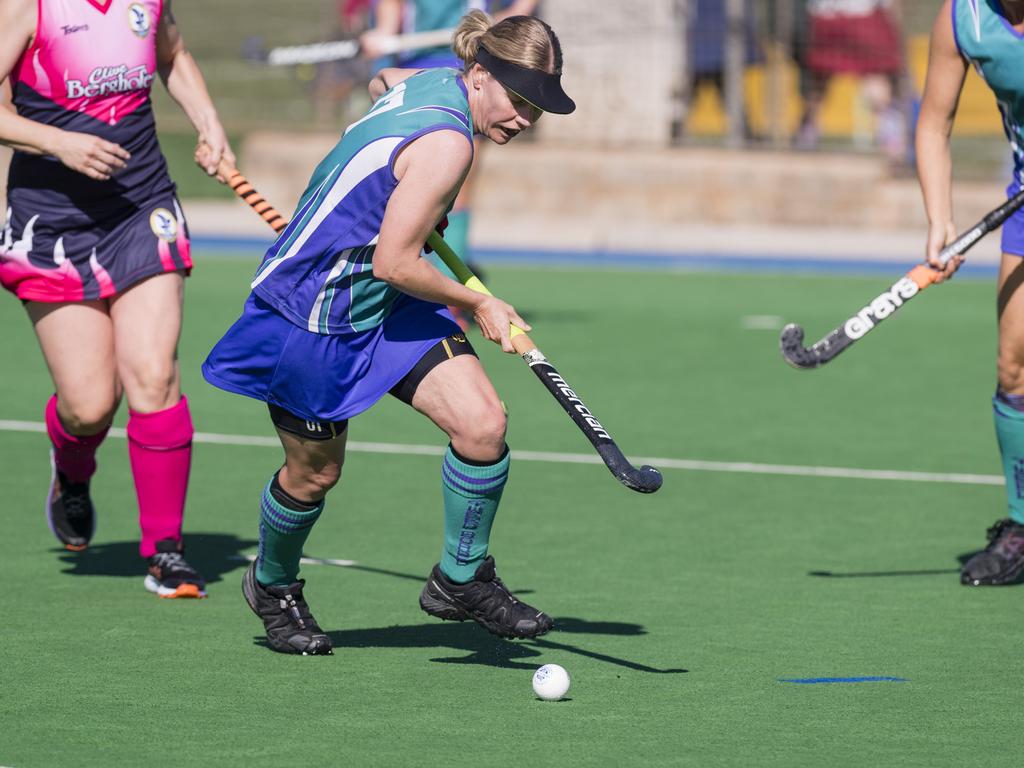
[[623, 65]]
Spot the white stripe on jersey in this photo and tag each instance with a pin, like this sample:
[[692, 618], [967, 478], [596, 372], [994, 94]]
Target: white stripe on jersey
[[976, 14], [314, 316], [365, 162], [269, 266], [445, 110]]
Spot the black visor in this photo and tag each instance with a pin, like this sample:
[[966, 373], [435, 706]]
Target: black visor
[[541, 89]]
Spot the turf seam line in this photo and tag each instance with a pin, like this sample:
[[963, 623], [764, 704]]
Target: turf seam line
[[692, 465]]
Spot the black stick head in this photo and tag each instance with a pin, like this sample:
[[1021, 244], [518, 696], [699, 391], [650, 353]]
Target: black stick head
[[644, 480], [791, 343]]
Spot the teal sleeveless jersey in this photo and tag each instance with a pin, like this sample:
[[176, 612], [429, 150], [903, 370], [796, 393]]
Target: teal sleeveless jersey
[[319, 273], [996, 50]]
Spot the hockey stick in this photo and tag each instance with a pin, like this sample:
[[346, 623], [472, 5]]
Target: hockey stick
[[340, 50], [791, 341], [646, 479], [244, 190]]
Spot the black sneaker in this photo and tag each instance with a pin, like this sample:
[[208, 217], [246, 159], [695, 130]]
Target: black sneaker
[[69, 510], [290, 626], [1001, 561], [170, 576], [485, 600]]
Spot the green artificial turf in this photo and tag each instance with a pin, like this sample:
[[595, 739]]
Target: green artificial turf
[[677, 615]]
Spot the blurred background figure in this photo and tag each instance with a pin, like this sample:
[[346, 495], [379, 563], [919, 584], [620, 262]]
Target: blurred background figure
[[707, 27], [863, 38], [334, 83]]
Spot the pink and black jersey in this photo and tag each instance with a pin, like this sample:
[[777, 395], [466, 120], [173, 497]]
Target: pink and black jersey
[[89, 69], [67, 237]]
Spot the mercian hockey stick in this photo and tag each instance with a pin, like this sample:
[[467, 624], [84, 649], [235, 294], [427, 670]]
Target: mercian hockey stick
[[646, 479], [791, 341]]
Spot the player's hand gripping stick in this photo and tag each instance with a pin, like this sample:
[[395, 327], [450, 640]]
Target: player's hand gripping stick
[[791, 342], [646, 479]]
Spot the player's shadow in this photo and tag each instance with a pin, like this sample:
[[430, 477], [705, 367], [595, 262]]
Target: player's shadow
[[212, 554], [962, 559], [486, 649], [877, 574]]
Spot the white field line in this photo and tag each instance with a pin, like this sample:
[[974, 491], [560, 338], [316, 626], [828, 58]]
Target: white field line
[[692, 465], [761, 322], [303, 561]]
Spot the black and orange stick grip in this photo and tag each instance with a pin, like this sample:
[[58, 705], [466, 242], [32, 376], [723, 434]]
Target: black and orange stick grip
[[248, 193]]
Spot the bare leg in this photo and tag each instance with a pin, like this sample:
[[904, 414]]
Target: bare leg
[[77, 342], [147, 323]]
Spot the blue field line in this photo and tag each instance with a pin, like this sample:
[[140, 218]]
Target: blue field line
[[254, 247], [816, 680]]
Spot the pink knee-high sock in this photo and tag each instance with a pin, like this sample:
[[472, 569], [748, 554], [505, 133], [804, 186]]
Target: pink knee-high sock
[[160, 451], [74, 455]]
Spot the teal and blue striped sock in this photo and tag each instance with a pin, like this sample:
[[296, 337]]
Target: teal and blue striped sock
[[1009, 417], [471, 494], [283, 533]]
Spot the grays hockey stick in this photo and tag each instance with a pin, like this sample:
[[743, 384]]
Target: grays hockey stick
[[643, 480], [646, 479], [883, 306], [341, 50]]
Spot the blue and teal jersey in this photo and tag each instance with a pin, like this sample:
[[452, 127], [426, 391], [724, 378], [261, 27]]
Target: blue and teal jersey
[[319, 273], [996, 50]]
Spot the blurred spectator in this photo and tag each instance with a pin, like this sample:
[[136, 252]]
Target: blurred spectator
[[862, 38], [338, 87], [707, 32]]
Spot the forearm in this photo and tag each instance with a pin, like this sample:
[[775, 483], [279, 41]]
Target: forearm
[[26, 135], [388, 17], [935, 169], [418, 277], [185, 84]]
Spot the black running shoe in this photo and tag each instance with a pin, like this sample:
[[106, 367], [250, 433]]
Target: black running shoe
[[170, 575], [69, 510], [485, 600], [1002, 561], [290, 626]]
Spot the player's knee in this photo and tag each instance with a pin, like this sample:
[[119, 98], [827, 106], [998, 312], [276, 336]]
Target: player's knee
[[87, 418], [1010, 371], [314, 482], [152, 386], [483, 432]]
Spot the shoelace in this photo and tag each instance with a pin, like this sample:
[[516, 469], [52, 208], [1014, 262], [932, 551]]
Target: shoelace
[[505, 590], [171, 561], [297, 608]]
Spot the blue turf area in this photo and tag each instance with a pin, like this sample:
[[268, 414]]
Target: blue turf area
[[250, 247]]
